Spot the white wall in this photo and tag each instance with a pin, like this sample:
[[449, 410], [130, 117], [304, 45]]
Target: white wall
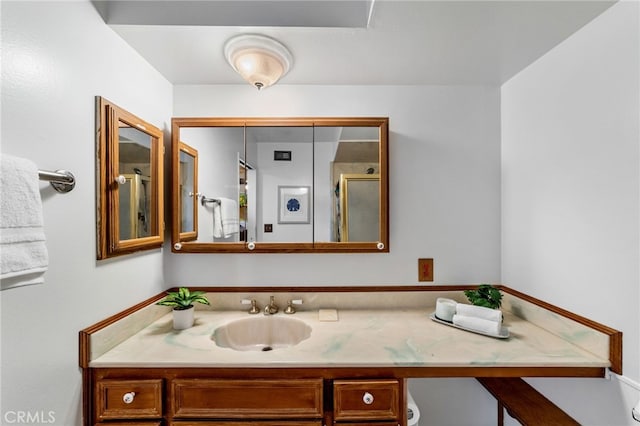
[[570, 194], [270, 175], [444, 186], [573, 114], [444, 203], [56, 57]]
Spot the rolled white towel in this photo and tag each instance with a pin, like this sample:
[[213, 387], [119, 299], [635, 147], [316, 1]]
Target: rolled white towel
[[479, 312], [478, 324], [445, 309]]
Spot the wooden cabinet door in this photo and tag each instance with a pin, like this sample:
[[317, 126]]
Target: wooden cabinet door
[[246, 399]]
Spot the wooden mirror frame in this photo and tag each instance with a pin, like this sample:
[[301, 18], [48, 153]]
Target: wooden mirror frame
[[109, 244], [381, 246], [189, 235]]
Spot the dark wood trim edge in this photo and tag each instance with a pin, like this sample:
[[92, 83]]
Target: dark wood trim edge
[[348, 372], [122, 314], [334, 289], [84, 337], [615, 336]]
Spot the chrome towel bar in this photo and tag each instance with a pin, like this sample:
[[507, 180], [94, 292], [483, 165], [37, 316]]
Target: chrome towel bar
[[61, 180], [204, 200]]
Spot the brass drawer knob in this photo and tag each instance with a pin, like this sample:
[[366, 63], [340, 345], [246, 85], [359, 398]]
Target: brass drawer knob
[[367, 398]]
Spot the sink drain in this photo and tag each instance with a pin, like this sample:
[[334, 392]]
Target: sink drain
[[267, 348]]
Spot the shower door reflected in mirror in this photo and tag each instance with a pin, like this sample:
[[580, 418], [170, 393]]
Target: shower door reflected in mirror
[[359, 199], [134, 191], [340, 150]]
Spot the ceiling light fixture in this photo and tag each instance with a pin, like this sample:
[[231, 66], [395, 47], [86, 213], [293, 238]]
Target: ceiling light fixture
[[260, 60]]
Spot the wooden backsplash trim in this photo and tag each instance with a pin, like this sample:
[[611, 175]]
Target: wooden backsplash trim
[[84, 345], [332, 289], [615, 336]]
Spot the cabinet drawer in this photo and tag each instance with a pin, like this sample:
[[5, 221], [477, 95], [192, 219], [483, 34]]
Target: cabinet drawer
[[246, 399], [143, 401], [369, 423], [141, 423], [366, 400], [251, 423], [366, 423]]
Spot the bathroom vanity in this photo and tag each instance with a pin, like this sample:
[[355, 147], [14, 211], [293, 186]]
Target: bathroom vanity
[[343, 358]]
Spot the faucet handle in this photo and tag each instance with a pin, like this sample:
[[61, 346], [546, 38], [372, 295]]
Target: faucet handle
[[254, 307], [290, 309]]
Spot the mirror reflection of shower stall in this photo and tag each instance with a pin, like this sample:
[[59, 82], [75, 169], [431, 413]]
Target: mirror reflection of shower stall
[[135, 191], [135, 205], [355, 178], [359, 207]]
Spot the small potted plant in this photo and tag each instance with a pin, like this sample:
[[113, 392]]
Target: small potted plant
[[182, 303], [485, 295]]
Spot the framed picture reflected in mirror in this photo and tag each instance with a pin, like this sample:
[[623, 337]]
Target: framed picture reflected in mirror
[[293, 204]]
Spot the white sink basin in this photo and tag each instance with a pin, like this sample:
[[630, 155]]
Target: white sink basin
[[262, 333]]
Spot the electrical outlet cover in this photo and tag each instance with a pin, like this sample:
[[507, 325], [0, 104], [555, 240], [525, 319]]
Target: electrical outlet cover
[[425, 269]]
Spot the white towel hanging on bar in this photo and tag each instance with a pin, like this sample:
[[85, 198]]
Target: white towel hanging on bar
[[23, 253]]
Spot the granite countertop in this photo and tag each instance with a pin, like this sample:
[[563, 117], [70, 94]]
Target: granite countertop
[[360, 338]]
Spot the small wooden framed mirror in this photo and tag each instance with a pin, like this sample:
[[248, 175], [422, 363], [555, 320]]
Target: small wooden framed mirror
[[188, 188], [129, 183]]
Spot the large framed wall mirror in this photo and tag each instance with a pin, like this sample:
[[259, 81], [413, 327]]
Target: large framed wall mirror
[[129, 182], [280, 185]]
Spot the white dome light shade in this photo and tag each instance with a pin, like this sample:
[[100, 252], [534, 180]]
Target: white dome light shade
[[260, 60]]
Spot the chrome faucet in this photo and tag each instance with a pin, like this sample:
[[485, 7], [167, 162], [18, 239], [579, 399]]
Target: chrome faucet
[[271, 308]]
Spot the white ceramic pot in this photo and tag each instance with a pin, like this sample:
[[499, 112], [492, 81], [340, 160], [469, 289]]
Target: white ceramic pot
[[183, 318]]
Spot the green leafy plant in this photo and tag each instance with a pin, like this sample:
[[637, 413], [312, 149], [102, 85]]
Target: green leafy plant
[[485, 295], [183, 299]]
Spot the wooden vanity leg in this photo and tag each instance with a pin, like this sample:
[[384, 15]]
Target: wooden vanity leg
[[403, 401], [500, 414]]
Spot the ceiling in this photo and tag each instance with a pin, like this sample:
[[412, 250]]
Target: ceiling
[[352, 42]]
